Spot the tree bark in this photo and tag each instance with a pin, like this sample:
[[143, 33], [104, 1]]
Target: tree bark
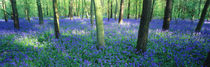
[[111, 15], [71, 9], [99, 24], [128, 16], [116, 9], [121, 12], [167, 16], [56, 19], [144, 26], [39, 5], [27, 11], [202, 19], [91, 12], [153, 5], [15, 14], [136, 16], [207, 62], [108, 10], [4, 10]]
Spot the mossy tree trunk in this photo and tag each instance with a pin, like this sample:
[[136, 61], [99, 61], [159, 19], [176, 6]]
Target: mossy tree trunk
[[167, 15], [40, 14], [203, 15], [144, 26], [116, 9], [56, 19], [121, 12], [15, 14], [99, 24]]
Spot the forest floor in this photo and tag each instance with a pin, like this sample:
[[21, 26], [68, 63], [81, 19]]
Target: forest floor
[[35, 45]]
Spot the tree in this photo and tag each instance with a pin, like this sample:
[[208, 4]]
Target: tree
[[144, 26], [39, 5], [99, 24], [128, 16], [108, 10], [136, 16], [153, 4], [116, 9], [207, 62], [91, 12], [4, 10], [56, 19], [27, 10], [167, 16], [71, 9], [111, 16], [15, 14], [121, 12], [202, 18]]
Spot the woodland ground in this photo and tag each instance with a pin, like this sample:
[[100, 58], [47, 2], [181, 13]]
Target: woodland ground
[[35, 45]]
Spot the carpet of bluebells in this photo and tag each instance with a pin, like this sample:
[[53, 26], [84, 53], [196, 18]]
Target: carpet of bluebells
[[35, 45]]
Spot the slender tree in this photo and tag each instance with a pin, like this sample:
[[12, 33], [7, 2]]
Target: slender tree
[[15, 14], [167, 16], [4, 10], [111, 14], [56, 19], [144, 26], [71, 9], [129, 3], [116, 9], [27, 11], [99, 24], [136, 16], [39, 5], [91, 12], [202, 18], [121, 12], [153, 5], [108, 10]]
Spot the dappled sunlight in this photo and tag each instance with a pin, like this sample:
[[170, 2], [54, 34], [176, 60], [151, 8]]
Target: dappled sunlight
[[80, 32]]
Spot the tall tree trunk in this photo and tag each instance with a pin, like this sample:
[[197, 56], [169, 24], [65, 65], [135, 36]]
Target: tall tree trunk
[[128, 16], [56, 19], [202, 19], [116, 9], [167, 17], [71, 9], [4, 10], [99, 24], [144, 26], [108, 10], [27, 11], [153, 5], [39, 5], [136, 16], [91, 12], [140, 9], [83, 9], [207, 62], [121, 12], [111, 15], [15, 14]]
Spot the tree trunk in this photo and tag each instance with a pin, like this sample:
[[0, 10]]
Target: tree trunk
[[15, 14], [108, 10], [27, 9], [140, 9], [202, 19], [39, 5], [111, 15], [91, 12], [167, 16], [83, 9], [207, 62], [4, 10], [121, 12], [153, 5], [71, 9], [136, 16], [128, 16], [116, 10], [56, 19], [99, 24], [144, 26]]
